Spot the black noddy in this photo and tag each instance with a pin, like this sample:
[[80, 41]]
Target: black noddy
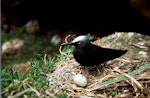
[[88, 54]]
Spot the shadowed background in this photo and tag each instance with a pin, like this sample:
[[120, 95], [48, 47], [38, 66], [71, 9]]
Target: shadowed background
[[93, 16]]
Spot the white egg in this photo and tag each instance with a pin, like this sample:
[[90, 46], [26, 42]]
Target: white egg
[[80, 80]]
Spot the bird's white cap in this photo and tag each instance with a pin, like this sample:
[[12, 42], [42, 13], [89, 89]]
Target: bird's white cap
[[80, 38]]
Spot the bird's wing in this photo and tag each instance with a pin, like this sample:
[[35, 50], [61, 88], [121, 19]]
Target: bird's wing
[[105, 54]]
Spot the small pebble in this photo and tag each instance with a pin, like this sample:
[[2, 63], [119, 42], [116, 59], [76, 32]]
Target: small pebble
[[143, 53], [130, 34]]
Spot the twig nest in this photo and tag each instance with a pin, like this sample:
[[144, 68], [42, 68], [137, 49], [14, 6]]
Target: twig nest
[[80, 80]]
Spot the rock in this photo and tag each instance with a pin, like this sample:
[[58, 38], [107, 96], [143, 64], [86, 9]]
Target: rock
[[141, 5], [22, 67], [57, 36], [33, 26], [56, 40], [12, 47]]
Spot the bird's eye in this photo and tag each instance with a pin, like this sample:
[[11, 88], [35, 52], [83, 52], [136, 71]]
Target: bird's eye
[[79, 43]]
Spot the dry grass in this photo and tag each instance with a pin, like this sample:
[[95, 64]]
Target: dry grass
[[137, 86]]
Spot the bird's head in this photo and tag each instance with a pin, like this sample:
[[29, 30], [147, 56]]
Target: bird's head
[[79, 41]]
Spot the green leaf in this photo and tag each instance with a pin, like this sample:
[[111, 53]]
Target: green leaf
[[122, 77]]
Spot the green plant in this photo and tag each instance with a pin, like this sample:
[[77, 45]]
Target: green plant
[[35, 83]]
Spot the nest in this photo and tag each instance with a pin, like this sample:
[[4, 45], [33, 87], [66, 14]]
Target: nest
[[61, 79]]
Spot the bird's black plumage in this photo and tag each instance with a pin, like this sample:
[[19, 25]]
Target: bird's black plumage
[[88, 54]]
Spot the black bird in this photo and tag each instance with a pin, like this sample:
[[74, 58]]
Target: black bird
[[88, 54]]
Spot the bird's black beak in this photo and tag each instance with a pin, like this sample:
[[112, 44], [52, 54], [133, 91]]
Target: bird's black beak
[[64, 44]]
